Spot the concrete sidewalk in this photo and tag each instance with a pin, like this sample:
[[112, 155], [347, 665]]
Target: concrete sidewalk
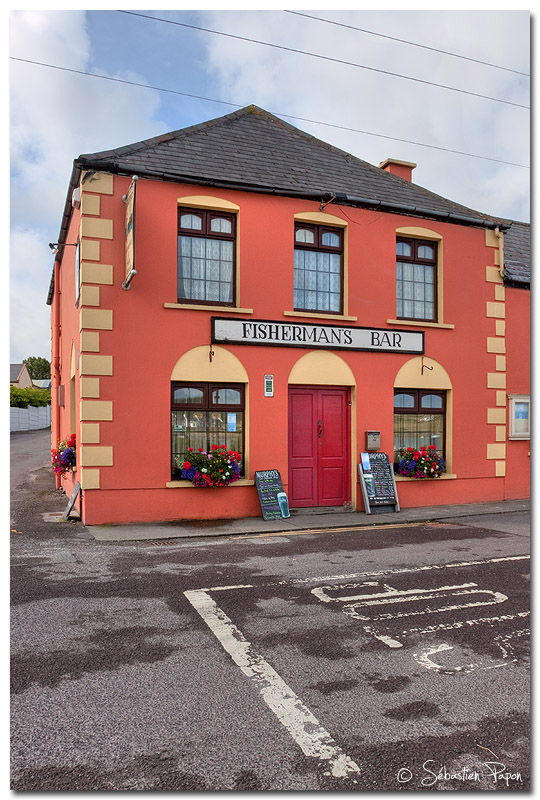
[[308, 520]]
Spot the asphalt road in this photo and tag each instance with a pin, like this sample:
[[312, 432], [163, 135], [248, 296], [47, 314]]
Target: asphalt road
[[388, 659]]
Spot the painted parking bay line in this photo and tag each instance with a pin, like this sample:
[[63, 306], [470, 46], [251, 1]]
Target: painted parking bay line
[[296, 718]]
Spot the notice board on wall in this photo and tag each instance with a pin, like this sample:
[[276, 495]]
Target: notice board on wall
[[273, 500], [379, 491]]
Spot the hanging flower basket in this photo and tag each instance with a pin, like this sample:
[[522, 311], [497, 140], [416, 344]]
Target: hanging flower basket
[[219, 467], [64, 457], [423, 463]]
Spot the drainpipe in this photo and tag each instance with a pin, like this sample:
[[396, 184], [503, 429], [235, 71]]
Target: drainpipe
[[55, 354]]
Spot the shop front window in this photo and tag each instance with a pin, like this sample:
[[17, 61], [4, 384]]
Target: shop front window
[[419, 420], [203, 414]]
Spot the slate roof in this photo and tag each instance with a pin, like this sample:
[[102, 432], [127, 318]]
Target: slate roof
[[14, 372], [253, 149], [517, 255]]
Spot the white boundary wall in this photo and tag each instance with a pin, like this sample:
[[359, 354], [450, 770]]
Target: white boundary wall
[[29, 419]]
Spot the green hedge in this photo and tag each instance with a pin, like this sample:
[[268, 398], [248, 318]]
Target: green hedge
[[22, 398]]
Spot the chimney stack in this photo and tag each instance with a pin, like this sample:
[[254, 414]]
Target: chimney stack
[[403, 169]]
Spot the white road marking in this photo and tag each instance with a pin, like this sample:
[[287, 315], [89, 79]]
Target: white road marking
[[297, 719], [370, 574], [446, 626], [424, 659]]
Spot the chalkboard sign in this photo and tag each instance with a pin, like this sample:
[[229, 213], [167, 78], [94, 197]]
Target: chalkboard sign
[[272, 498], [378, 483], [71, 503]]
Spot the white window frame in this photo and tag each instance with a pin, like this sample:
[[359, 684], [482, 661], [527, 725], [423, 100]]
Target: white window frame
[[518, 398]]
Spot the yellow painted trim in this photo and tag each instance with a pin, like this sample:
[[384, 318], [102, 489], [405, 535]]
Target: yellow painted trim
[[500, 292], [497, 310], [207, 201], [97, 228], [500, 327], [90, 341], [189, 485], [89, 387], [96, 456], [496, 380], [496, 416], [491, 238], [97, 273], [493, 275], [72, 362], [500, 399], [100, 318], [321, 368], [221, 309], [500, 433], [495, 345], [195, 365], [417, 232], [89, 295], [329, 317], [89, 250], [500, 363], [90, 433], [96, 365], [96, 410], [496, 451], [500, 469], [89, 479], [420, 324], [322, 218], [98, 182], [90, 203]]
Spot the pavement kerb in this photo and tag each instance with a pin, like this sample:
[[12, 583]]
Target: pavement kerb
[[298, 523]]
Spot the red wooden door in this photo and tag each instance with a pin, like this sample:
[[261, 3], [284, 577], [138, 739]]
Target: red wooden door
[[318, 447]]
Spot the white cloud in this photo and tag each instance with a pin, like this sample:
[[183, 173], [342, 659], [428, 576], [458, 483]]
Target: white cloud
[[56, 116]]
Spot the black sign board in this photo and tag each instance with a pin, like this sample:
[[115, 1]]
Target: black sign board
[[272, 498], [378, 483], [74, 495]]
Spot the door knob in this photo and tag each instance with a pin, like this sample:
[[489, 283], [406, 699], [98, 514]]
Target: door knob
[[319, 428]]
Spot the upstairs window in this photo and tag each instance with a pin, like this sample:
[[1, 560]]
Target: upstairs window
[[416, 280], [206, 257], [318, 268]]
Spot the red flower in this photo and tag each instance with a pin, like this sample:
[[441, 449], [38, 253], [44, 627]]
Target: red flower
[[187, 465], [223, 447], [201, 450], [409, 449], [432, 447], [190, 449], [214, 447]]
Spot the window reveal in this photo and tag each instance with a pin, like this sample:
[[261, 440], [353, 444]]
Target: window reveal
[[206, 256], [318, 268], [416, 279], [203, 414], [419, 420]]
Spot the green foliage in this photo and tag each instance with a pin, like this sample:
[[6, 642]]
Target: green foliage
[[38, 367], [22, 398]]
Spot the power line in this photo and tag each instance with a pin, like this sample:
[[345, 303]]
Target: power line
[[277, 114], [413, 44], [325, 58]]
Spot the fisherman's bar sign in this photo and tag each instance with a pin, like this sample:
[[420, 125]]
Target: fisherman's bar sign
[[326, 337]]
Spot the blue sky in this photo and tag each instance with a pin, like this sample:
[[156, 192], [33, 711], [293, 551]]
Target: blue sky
[[56, 115]]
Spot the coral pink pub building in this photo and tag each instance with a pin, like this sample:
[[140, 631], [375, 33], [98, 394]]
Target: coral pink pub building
[[242, 283]]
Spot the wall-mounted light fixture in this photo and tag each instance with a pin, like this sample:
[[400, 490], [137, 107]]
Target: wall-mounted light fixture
[[55, 246]]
